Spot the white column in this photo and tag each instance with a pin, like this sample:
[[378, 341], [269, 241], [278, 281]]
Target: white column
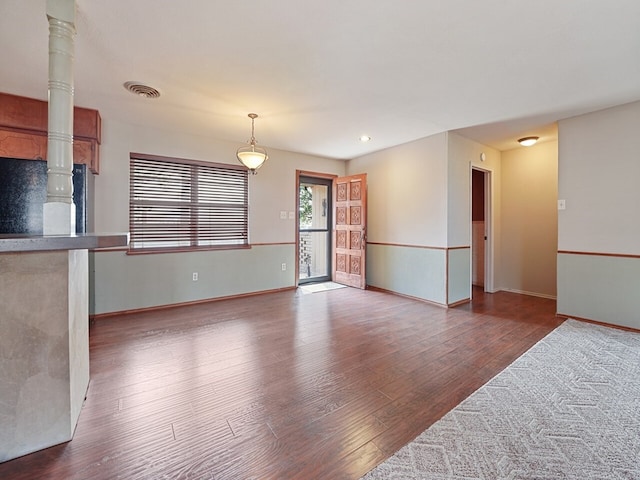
[[59, 210]]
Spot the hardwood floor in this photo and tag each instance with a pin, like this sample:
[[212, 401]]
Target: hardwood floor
[[281, 386]]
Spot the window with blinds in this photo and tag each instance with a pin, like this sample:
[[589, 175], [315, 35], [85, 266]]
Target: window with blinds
[[177, 204]]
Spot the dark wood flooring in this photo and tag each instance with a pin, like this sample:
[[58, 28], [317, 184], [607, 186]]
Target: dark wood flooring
[[282, 385]]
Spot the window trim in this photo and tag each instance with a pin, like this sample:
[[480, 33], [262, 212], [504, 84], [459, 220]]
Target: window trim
[[180, 249]]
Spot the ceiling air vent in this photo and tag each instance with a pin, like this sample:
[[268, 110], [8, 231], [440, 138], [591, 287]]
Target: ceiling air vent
[[142, 90]]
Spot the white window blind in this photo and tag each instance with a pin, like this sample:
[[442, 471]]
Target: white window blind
[[177, 204]]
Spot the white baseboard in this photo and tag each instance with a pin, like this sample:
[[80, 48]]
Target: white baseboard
[[532, 294]]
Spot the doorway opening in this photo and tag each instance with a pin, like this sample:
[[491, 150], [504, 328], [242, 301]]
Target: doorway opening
[[315, 210], [481, 241]]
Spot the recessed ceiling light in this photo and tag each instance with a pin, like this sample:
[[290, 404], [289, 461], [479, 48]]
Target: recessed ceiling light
[[365, 138], [527, 141], [142, 90]]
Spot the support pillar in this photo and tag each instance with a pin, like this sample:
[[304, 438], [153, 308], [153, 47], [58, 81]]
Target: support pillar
[[59, 209]]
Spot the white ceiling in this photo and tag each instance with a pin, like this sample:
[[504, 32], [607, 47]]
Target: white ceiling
[[320, 74]]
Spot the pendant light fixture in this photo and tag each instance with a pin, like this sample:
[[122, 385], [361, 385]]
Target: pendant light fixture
[[252, 156]]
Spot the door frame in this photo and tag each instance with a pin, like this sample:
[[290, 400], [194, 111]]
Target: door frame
[[319, 175], [488, 229]]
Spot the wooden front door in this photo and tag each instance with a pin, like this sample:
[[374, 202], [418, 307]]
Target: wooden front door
[[349, 233]]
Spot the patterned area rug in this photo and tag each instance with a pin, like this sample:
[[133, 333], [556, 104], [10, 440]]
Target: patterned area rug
[[569, 408]]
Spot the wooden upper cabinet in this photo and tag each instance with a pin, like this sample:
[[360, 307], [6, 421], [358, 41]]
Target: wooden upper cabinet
[[23, 131]]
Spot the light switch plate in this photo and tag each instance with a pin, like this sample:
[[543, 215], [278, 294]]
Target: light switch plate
[[561, 205]]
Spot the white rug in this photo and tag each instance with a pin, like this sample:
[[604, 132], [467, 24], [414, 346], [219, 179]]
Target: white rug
[[569, 408], [320, 287]]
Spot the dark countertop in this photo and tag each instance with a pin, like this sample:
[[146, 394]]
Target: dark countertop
[[15, 243]]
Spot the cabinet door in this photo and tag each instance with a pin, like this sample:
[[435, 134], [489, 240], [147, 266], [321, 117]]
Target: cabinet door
[[29, 146], [86, 152]]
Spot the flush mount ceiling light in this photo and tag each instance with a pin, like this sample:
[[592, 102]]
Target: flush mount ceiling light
[[365, 138], [527, 141], [252, 156], [142, 90]]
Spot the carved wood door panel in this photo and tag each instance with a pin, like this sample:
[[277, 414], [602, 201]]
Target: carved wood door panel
[[349, 233]]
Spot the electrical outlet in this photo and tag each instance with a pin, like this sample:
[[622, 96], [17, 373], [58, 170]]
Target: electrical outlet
[[195, 276], [284, 267]]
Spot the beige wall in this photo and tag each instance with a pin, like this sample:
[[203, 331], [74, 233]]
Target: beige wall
[[407, 217], [418, 197], [599, 232], [522, 231], [464, 154], [126, 282], [530, 219], [271, 191], [420, 215], [599, 172], [407, 188]]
